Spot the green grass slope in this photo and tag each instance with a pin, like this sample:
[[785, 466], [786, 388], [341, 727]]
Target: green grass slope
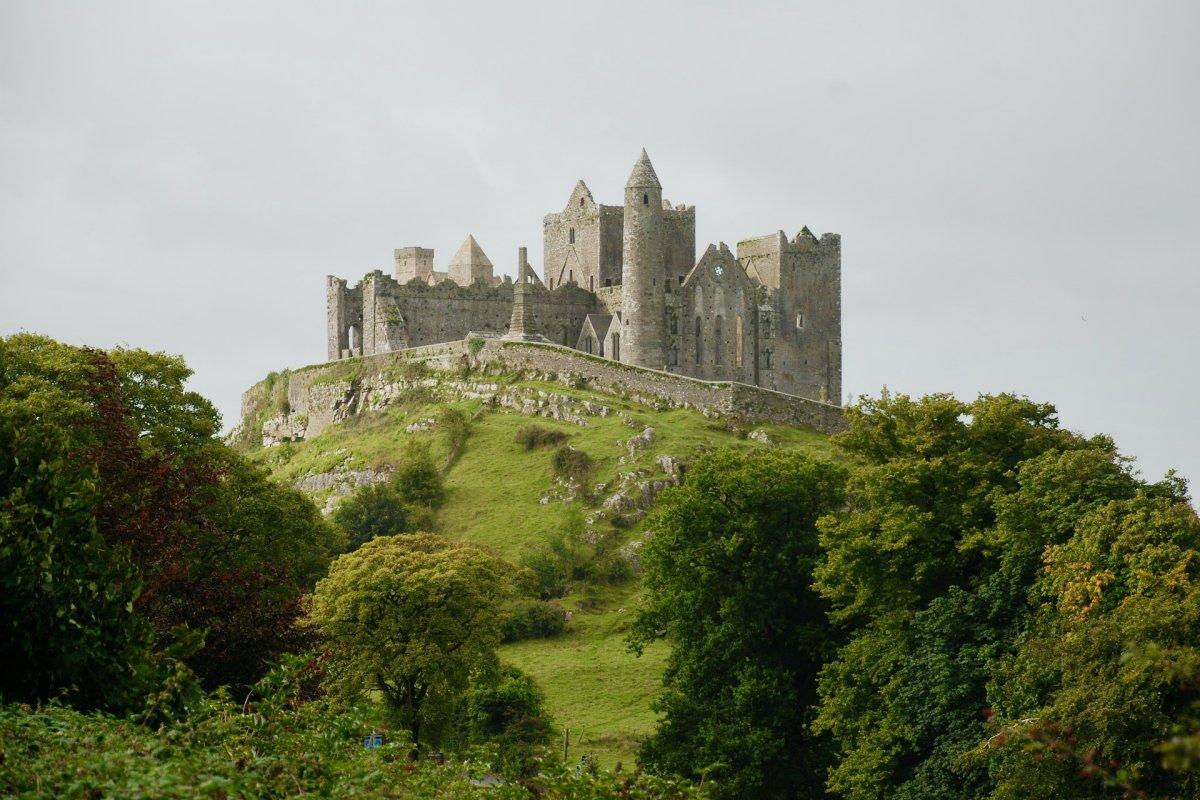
[[497, 496]]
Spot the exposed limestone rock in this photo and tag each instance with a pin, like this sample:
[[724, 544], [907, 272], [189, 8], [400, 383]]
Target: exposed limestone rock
[[759, 435], [280, 429], [642, 440], [340, 482]]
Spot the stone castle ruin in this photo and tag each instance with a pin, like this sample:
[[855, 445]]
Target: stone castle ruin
[[622, 283]]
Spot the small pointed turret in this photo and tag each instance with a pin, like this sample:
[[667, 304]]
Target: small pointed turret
[[643, 175]]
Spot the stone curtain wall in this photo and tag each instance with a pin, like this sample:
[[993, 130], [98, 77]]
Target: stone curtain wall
[[560, 312], [323, 394], [446, 312]]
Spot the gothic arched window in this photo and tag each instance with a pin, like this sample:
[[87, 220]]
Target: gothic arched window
[[718, 342], [699, 342], [737, 341]]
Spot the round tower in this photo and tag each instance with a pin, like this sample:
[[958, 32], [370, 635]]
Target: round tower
[[643, 300]]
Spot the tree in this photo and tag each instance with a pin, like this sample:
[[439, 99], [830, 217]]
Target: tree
[[728, 575], [185, 534], [1100, 691], [402, 504], [928, 569], [67, 622], [506, 707], [411, 617]]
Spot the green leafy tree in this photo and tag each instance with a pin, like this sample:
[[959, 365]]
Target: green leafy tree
[[376, 510], [1099, 693], [418, 480], [508, 709], [67, 622], [412, 617], [117, 474], [928, 590], [728, 574]]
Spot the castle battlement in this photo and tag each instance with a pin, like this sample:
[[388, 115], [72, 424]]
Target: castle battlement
[[622, 282]]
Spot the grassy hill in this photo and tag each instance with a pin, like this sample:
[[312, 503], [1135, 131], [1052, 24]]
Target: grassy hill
[[507, 497]]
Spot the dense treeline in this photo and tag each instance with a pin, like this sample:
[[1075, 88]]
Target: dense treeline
[[987, 606], [226, 638], [973, 602]]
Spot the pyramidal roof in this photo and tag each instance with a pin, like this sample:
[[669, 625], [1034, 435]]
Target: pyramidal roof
[[470, 254], [643, 173]]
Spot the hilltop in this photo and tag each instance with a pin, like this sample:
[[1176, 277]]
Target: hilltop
[[330, 428]]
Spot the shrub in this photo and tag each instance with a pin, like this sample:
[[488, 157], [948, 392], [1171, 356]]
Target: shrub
[[455, 427], [533, 619], [376, 510], [419, 480], [509, 710], [569, 463], [532, 437]]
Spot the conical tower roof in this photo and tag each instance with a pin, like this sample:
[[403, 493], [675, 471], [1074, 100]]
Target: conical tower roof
[[643, 175], [470, 255]]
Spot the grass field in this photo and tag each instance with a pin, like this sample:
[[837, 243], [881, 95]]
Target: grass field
[[595, 687]]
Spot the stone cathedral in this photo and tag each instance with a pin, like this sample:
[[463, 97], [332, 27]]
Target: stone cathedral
[[622, 282]]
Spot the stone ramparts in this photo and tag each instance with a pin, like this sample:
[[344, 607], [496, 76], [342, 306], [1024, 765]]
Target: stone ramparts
[[325, 393]]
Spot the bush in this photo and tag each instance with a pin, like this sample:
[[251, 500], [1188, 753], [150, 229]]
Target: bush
[[532, 619], [376, 510], [532, 437], [455, 427], [509, 710], [569, 463], [418, 479]]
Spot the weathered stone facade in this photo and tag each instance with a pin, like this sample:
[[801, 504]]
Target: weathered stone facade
[[321, 395], [622, 282]]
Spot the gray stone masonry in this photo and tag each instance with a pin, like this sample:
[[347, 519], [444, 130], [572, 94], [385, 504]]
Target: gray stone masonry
[[622, 282], [323, 394]]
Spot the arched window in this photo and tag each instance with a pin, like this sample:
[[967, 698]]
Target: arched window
[[699, 342], [766, 359], [616, 347], [674, 355], [718, 342], [571, 236], [587, 344], [581, 202], [672, 323], [645, 199], [737, 341], [354, 340]]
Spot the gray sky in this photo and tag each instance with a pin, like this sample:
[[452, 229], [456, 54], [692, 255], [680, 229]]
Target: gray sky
[[1016, 185]]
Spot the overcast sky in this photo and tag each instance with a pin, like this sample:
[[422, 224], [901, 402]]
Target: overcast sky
[[1016, 184]]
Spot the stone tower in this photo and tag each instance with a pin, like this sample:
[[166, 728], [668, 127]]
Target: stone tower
[[643, 329]]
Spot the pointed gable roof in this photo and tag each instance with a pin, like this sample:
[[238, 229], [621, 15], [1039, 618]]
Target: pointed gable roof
[[643, 175], [470, 255]]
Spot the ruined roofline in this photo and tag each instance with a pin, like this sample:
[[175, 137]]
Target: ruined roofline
[[418, 284], [826, 240]]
